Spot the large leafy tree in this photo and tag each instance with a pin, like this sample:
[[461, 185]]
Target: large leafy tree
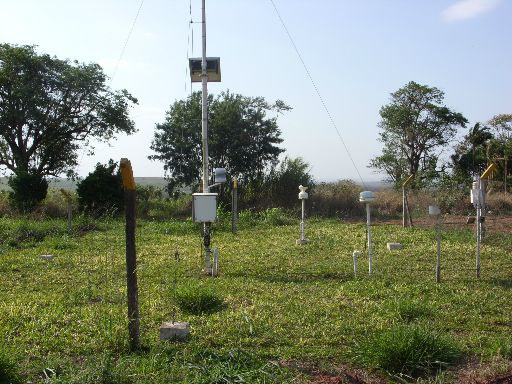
[[241, 137], [415, 125], [470, 157], [50, 108], [500, 149]]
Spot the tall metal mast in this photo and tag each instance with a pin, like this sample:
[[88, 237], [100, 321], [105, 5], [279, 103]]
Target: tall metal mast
[[204, 125]]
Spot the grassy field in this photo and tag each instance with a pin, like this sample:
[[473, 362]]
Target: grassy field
[[288, 313]]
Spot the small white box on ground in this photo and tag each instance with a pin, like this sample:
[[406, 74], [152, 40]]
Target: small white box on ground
[[204, 207], [46, 257], [394, 246], [174, 331]]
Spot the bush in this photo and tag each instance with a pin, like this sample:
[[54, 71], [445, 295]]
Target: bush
[[28, 190], [197, 299], [101, 192], [408, 350], [282, 184], [279, 188], [147, 195]]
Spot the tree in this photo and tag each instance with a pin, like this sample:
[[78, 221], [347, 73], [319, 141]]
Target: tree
[[470, 157], [500, 149], [414, 126], [241, 138], [49, 108]]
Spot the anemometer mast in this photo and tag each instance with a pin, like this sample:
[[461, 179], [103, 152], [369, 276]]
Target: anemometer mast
[[204, 206], [204, 108]]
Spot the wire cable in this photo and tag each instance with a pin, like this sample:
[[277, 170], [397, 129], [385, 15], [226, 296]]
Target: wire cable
[[126, 41], [120, 56], [333, 123]]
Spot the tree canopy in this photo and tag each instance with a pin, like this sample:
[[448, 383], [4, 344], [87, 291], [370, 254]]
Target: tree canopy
[[415, 125], [50, 108], [241, 137], [471, 154]]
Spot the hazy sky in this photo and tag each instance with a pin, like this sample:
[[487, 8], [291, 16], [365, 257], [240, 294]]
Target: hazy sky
[[358, 52]]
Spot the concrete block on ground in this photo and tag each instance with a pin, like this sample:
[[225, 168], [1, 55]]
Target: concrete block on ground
[[46, 257], [394, 246], [174, 331]]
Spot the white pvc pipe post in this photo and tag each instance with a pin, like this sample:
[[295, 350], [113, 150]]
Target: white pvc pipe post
[[355, 255], [370, 261], [302, 238]]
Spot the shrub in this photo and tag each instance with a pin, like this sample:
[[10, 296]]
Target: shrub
[[146, 196], [101, 192], [28, 190], [279, 188], [282, 183], [408, 350], [197, 299]]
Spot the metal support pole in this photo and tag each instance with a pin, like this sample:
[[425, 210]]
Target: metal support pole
[[370, 256], [478, 238], [204, 135], [438, 260], [403, 207], [207, 250], [234, 206], [204, 109]]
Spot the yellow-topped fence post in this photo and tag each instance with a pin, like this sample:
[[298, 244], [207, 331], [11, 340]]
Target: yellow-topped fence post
[[131, 260]]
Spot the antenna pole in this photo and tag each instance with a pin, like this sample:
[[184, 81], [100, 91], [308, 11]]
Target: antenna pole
[[204, 126], [204, 134]]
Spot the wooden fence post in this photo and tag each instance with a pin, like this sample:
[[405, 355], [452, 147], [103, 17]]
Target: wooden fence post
[[131, 260]]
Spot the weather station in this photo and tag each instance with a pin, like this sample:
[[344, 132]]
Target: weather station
[[204, 204]]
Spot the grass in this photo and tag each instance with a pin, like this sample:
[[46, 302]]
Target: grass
[[196, 299], [409, 351], [65, 319], [8, 369]]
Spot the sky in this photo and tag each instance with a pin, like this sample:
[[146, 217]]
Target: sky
[[357, 53]]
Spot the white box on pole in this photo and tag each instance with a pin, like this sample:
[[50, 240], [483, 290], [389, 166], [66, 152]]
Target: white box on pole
[[204, 207]]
